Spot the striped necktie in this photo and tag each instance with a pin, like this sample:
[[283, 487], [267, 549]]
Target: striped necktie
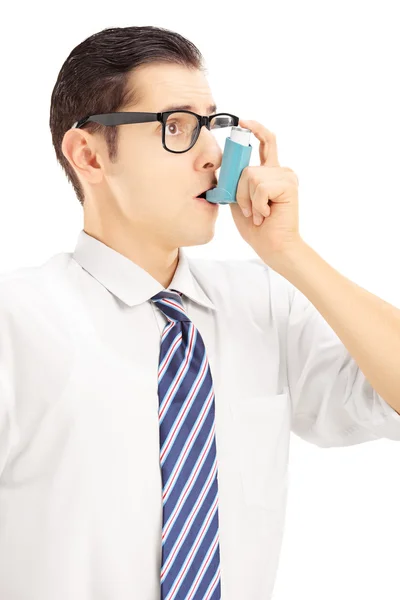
[[190, 563]]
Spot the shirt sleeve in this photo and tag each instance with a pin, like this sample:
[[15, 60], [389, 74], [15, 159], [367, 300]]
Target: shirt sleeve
[[7, 424], [5, 430], [333, 403]]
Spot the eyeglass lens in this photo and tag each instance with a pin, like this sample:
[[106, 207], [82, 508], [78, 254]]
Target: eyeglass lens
[[182, 128]]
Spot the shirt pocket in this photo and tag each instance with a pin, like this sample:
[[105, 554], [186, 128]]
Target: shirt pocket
[[262, 426]]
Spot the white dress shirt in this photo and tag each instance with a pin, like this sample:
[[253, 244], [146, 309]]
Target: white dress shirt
[[80, 478]]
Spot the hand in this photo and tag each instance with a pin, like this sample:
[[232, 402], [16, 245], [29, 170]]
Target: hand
[[270, 193]]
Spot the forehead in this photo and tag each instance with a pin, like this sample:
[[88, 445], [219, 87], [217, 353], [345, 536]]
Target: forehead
[[161, 86]]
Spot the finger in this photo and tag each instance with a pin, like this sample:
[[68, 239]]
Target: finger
[[260, 200], [258, 216], [243, 197], [268, 147]]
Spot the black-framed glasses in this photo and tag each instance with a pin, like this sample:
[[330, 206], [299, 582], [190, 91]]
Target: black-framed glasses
[[180, 128]]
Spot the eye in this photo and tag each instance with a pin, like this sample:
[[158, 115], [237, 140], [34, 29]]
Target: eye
[[170, 125]]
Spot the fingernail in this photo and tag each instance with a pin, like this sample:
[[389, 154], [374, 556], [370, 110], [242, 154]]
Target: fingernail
[[257, 219], [246, 212]]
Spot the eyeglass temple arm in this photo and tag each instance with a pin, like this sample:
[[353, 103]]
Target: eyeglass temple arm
[[119, 118]]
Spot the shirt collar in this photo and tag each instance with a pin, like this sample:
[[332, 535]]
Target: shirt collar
[[127, 280]]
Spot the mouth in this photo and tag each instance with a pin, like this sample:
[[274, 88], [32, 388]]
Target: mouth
[[203, 194]]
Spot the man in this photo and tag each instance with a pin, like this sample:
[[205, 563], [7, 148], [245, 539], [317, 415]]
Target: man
[[147, 399]]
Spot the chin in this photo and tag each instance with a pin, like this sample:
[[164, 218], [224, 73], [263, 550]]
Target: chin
[[198, 238]]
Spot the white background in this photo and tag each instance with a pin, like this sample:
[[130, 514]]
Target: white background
[[324, 77]]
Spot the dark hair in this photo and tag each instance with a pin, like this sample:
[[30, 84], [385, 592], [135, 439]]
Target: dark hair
[[94, 79]]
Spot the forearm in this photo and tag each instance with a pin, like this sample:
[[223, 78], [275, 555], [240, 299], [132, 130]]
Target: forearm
[[368, 326]]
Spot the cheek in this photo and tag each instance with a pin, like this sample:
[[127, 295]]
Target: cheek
[[153, 180]]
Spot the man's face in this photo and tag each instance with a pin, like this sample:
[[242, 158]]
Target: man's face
[[150, 189]]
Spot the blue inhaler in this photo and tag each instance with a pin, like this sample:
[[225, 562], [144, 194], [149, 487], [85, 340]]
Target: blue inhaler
[[235, 158]]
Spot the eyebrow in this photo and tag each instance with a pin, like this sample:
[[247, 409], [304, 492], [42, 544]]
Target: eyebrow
[[211, 109]]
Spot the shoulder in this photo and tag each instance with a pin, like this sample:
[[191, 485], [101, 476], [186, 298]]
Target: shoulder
[[26, 297], [234, 271], [21, 285], [248, 279]]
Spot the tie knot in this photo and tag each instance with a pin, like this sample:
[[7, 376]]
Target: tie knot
[[170, 303]]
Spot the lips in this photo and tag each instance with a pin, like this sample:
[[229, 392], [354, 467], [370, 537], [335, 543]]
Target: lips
[[203, 193]]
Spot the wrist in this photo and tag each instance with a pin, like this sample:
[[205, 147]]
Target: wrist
[[290, 260]]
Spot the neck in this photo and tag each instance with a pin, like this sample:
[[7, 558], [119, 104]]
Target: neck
[[159, 262]]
